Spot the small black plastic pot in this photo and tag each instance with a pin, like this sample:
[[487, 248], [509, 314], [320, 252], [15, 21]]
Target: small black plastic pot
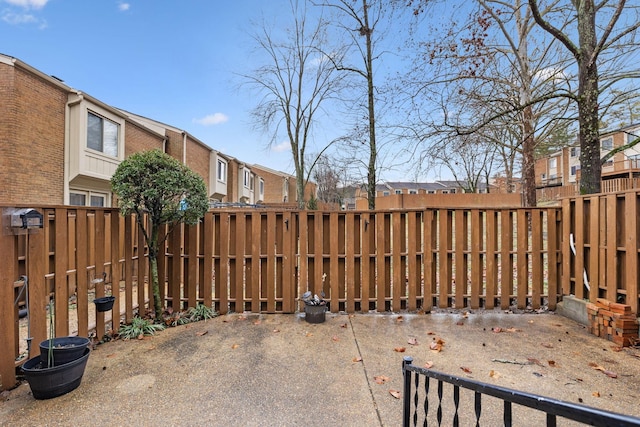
[[65, 349], [46, 383], [104, 303]]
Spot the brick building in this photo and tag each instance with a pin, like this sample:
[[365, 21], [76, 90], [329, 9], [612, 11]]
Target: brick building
[[59, 145]]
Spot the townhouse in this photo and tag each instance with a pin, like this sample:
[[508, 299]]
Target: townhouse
[[60, 146], [561, 168]]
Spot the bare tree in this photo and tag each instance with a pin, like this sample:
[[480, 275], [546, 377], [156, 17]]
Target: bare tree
[[360, 21], [605, 34], [490, 74], [294, 84]]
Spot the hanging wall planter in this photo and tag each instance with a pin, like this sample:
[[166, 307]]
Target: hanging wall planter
[[104, 303], [46, 383], [64, 349]]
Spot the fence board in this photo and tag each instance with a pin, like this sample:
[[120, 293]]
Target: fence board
[[506, 258], [129, 223], [523, 263], [611, 247], [631, 249], [492, 265], [476, 258], [60, 276], [460, 259], [536, 258], [594, 247], [9, 335]]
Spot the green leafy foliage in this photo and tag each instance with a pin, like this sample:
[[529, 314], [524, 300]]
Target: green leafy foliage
[[138, 328], [201, 312], [159, 190], [155, 183]]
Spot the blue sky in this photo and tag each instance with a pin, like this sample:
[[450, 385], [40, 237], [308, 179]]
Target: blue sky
[[169, 60]]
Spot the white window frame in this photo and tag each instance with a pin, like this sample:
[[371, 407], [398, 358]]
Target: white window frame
[[104, 148], [608, 142], [221, 173], [261, 187], [398, 191], [413, 191], [553, 163], [246, 179], [89, 196]]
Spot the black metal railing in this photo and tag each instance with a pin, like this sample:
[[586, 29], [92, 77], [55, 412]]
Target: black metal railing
[[551, 407]]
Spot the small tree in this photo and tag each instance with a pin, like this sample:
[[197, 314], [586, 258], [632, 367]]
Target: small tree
[[159, 190]]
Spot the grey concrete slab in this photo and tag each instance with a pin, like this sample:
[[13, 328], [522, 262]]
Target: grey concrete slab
[[278, 370]]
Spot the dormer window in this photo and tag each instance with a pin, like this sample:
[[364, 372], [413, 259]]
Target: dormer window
[[102, 134]]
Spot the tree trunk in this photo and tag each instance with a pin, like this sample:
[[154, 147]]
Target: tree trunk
[[589, 136], [528, 160], [373, 151], [153, 266]]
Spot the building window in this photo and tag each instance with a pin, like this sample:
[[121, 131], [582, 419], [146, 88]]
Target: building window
[[553, 163], [247, 178], [575, 151], [431, 191], [261, 188], [453, 191], [631, 136], [87, 198], [543, 176], [222, 171], [413, 191], [398, 191], [607, 144], [385, 193], [574, 170], [102, 135]]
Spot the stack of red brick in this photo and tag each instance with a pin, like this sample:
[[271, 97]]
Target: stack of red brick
[[613, 321]]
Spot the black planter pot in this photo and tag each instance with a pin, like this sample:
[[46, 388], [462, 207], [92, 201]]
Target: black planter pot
[[47, 383], [104, 303], [315, 313], [65, 349]]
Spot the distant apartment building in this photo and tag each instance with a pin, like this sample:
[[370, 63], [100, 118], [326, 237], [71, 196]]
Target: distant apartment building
[[562, 167], [61, 146]]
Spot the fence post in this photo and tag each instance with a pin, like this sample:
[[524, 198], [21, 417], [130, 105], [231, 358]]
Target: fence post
[[8, 275], [406, 407]]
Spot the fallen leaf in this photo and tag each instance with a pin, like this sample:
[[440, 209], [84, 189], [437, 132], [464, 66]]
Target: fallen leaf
[[141, 336], [616, 348], [276, 330], [465, 369], [308, 334], [381, 379], [465, 314], [611, 374], [496, 329], [596, 366], [395, 393], [233, 347], [595, 394], [399, 349], [111, 355], [494, 374], [534, 361], [430, 333], [242, 318], [513, 330], [201, 333], [546, 344], [357, 359], [399, 319], [344, 325], [257, 322], [460, 323], [335, 338], [412, 341], [552, 363], [428, 365]]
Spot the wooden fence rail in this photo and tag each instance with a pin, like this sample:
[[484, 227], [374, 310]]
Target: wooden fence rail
[[263, 260]]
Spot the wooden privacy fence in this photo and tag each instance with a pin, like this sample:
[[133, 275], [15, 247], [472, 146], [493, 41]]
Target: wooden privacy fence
[[263, 260]]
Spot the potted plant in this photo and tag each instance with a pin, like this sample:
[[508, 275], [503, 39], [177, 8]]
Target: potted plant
[[59, 367], [314, 307], [104, 303]]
